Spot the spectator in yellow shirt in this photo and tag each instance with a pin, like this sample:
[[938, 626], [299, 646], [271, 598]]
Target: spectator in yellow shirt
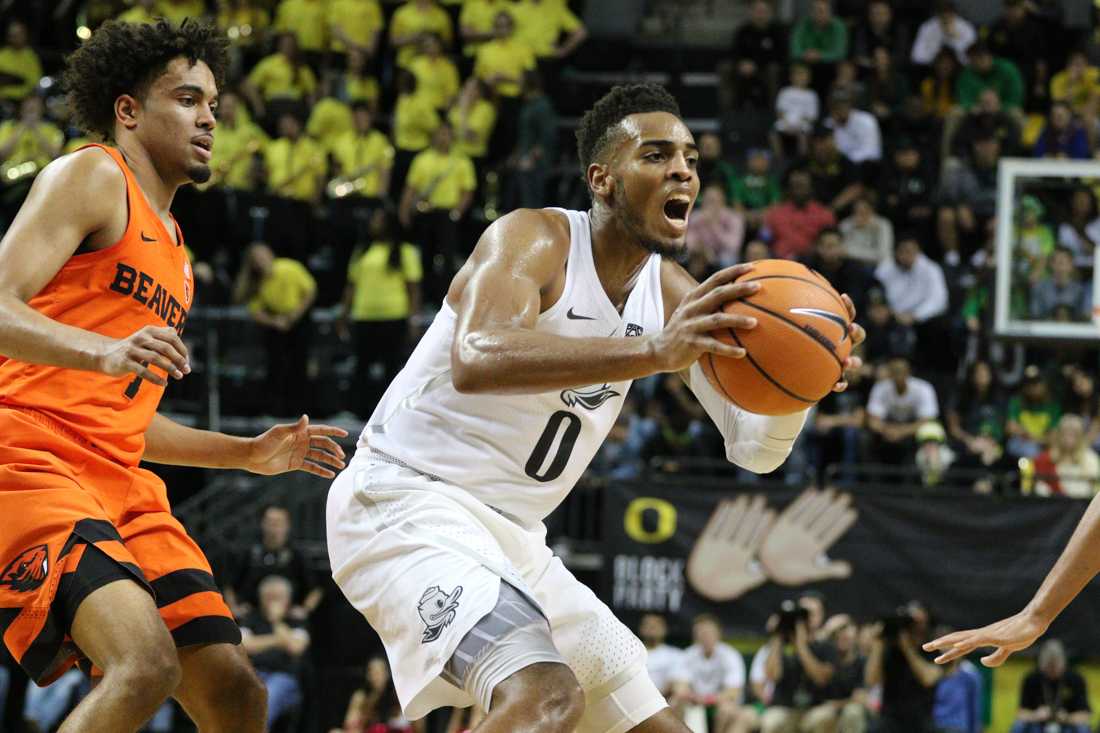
[[177, 10], [380, 300], [355, 85], [144, 11], [414, 121], [246, 26], [328, 120], [239, 142], [354, 24], [438, 192], [279, 292], [20, 68], [1078, 85], [295, 164], [363, 158], [475, 23], [281, 80], [501, 63], [541, 23], [413, 19], [436, 75], [307, 20], [473, 117], [26, 146]]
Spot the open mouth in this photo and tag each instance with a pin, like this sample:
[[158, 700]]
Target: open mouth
[[204, 145], [676, 211]]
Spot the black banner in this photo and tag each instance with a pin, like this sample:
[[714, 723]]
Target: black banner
[[682, 550]]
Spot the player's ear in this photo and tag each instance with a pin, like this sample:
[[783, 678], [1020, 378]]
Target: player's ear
[[126, 110], [600, 180]]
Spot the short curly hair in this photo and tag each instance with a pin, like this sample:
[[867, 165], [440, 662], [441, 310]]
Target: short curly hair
[[126, 58], [596, 131]]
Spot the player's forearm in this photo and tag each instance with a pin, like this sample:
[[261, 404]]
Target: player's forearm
[[170, 443], [1078, 564], [524, 361], [27, 335]]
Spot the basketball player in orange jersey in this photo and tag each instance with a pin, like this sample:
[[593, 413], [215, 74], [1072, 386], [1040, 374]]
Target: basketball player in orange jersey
[[95, 288]]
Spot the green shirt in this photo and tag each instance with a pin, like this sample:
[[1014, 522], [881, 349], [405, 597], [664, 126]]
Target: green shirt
[[831, 42], [1037, 420], [755, 192], [1004, 78]]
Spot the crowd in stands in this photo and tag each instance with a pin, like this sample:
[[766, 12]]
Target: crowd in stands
[[824, 674]]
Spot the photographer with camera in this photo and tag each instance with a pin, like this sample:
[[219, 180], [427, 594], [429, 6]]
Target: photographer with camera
[[1053, 698], [801, 670], [908, 677]]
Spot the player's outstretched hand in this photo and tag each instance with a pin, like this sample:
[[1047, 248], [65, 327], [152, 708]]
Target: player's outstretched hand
[[852, 363], [298, 447], [1006, 637], [723, 565], [687, 335], [142, 350]]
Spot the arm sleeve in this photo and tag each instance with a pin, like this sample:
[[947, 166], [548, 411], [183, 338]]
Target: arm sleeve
[[876, 403], [935, 301], [757, 443], [735, 673], [1014, 87], [798, 41], [837, 48], [926, 46], [929, 405]]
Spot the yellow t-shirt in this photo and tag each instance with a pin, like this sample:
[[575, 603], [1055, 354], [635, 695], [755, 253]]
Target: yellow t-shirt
[[508, 57], [233, 151], [447, 176], [1076, 93], [24, 64], [244, 26], [379, 292], [361, 89], [293, 167], [478, 16], [137, 16], [329, 119], [414, 121], [285, 289], [29, 147], [435, 78], [275, 78], [359, 20], [411, 20], [539, 24], [353, 153], [306, 20], [177, 10], [473, 130]]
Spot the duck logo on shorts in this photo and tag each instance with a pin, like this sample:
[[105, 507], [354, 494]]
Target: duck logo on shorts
[[28, 571], [590, 398], [437, 610]]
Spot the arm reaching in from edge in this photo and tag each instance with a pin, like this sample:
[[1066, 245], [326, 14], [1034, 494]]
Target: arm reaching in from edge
[[1078, 564], [516, 268], [757, 443]]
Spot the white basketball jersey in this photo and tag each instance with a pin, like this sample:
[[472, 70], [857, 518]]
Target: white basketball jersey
[[520, 454]]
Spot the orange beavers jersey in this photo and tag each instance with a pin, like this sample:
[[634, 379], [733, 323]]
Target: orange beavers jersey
[[144, 279]]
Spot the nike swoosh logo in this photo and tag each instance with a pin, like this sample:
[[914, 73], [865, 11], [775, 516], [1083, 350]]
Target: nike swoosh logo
[[574, 317], [147, 239]]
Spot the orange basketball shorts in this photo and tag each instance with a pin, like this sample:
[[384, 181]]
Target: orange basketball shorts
[[73, 520]]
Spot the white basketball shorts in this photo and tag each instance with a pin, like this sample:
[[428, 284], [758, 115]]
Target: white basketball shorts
[[422, 561]]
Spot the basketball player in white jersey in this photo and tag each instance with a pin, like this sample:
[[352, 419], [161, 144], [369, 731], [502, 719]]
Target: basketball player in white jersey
[[435, 529]]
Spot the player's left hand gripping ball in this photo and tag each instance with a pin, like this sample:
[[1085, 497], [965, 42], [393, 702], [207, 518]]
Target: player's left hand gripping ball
[[852, 363], [298, 447]]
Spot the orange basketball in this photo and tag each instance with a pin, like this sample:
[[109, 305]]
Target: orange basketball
[[796, 352]]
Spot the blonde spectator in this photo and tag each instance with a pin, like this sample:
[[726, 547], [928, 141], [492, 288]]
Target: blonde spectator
[[540, 25], [306, 19], [1069, 467], [412, 20], [868, 237], [20, 68], [178, 10], [28, 143], [354, 24], [436, 75], [716, 230], [279, 78], [473, 116], [364, 156], [239, 141], [144, 11]]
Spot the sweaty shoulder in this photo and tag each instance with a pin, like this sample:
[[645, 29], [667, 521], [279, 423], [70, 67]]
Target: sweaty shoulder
[[532, 244], [89, 186]]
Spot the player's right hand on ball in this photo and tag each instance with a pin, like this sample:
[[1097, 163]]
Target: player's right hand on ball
[[687, 335], [140, 351]]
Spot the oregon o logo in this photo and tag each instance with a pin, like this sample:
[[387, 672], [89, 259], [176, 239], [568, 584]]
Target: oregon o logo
[[634, 520]]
